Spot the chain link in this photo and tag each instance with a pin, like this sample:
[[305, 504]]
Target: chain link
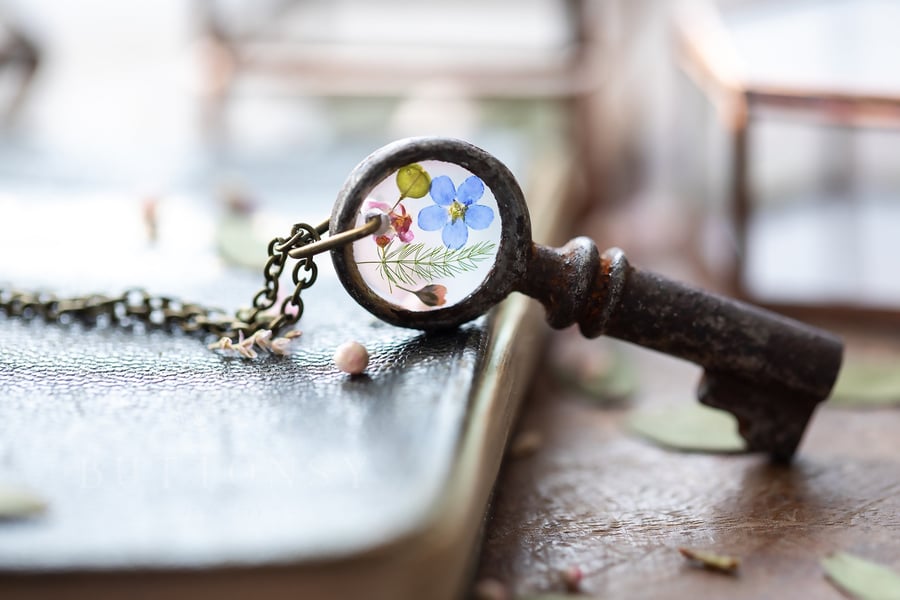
[[137, 306]]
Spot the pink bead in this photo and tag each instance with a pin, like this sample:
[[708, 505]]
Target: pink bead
[[351, 357]]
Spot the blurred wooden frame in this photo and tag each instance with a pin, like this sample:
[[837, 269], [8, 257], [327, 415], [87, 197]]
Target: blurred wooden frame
[[572, 76], [707, 56], [18, 52]]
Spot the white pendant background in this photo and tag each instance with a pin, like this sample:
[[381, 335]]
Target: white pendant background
[[365, 251]]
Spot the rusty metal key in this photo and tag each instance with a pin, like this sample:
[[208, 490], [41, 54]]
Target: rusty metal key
[[769, 371], [430, 233]]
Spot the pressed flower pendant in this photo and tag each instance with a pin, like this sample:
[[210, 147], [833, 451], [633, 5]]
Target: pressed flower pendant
[[430, 233], [449, 234], [439, 236]]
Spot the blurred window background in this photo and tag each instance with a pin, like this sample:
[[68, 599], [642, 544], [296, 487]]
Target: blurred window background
[[749, 143], [801, 165], [186, 113]]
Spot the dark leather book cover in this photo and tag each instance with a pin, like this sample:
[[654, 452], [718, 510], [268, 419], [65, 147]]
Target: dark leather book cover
[[169, 469]]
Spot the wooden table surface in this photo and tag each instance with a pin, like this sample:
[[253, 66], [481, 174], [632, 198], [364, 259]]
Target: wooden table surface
[[618, 507]]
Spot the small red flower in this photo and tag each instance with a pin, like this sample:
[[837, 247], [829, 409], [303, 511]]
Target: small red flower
[[400, 224]]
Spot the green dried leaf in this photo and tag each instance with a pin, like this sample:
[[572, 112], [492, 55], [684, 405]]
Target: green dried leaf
[[861, 578], [863, 383], [525, 444], [238, 243], [693, 427], [19, 503], [606, 378], [413, 181], [711, 560]]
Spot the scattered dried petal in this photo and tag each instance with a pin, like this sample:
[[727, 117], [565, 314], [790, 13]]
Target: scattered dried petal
[[224, 343], [19, 503], [525, 444], [490, 589], [245, 346], [861, 578], [596, 370], [692, 427], [150, 214], [865, 382], [293, 333], [246, 351], [351, 357], [281, 346], [262, 338], [711, 560], [572, 577]]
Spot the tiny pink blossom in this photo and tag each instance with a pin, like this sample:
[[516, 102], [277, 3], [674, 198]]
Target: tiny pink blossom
[[281, 346], [261, 338], [224, 343], [245, 346], [400, 224]]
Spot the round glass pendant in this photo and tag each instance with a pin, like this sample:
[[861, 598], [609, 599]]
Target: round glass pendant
[[453, 236], [439, 240]]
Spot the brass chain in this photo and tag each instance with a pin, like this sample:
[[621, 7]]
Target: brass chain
[[163, 312]]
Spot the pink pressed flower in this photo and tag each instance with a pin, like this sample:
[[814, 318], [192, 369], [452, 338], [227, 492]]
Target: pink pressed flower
[[400, 224], [382, 206]]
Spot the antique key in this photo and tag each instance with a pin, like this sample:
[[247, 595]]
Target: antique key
[[430, 233]]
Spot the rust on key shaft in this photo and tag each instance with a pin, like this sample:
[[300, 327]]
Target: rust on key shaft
[[769, 371]]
